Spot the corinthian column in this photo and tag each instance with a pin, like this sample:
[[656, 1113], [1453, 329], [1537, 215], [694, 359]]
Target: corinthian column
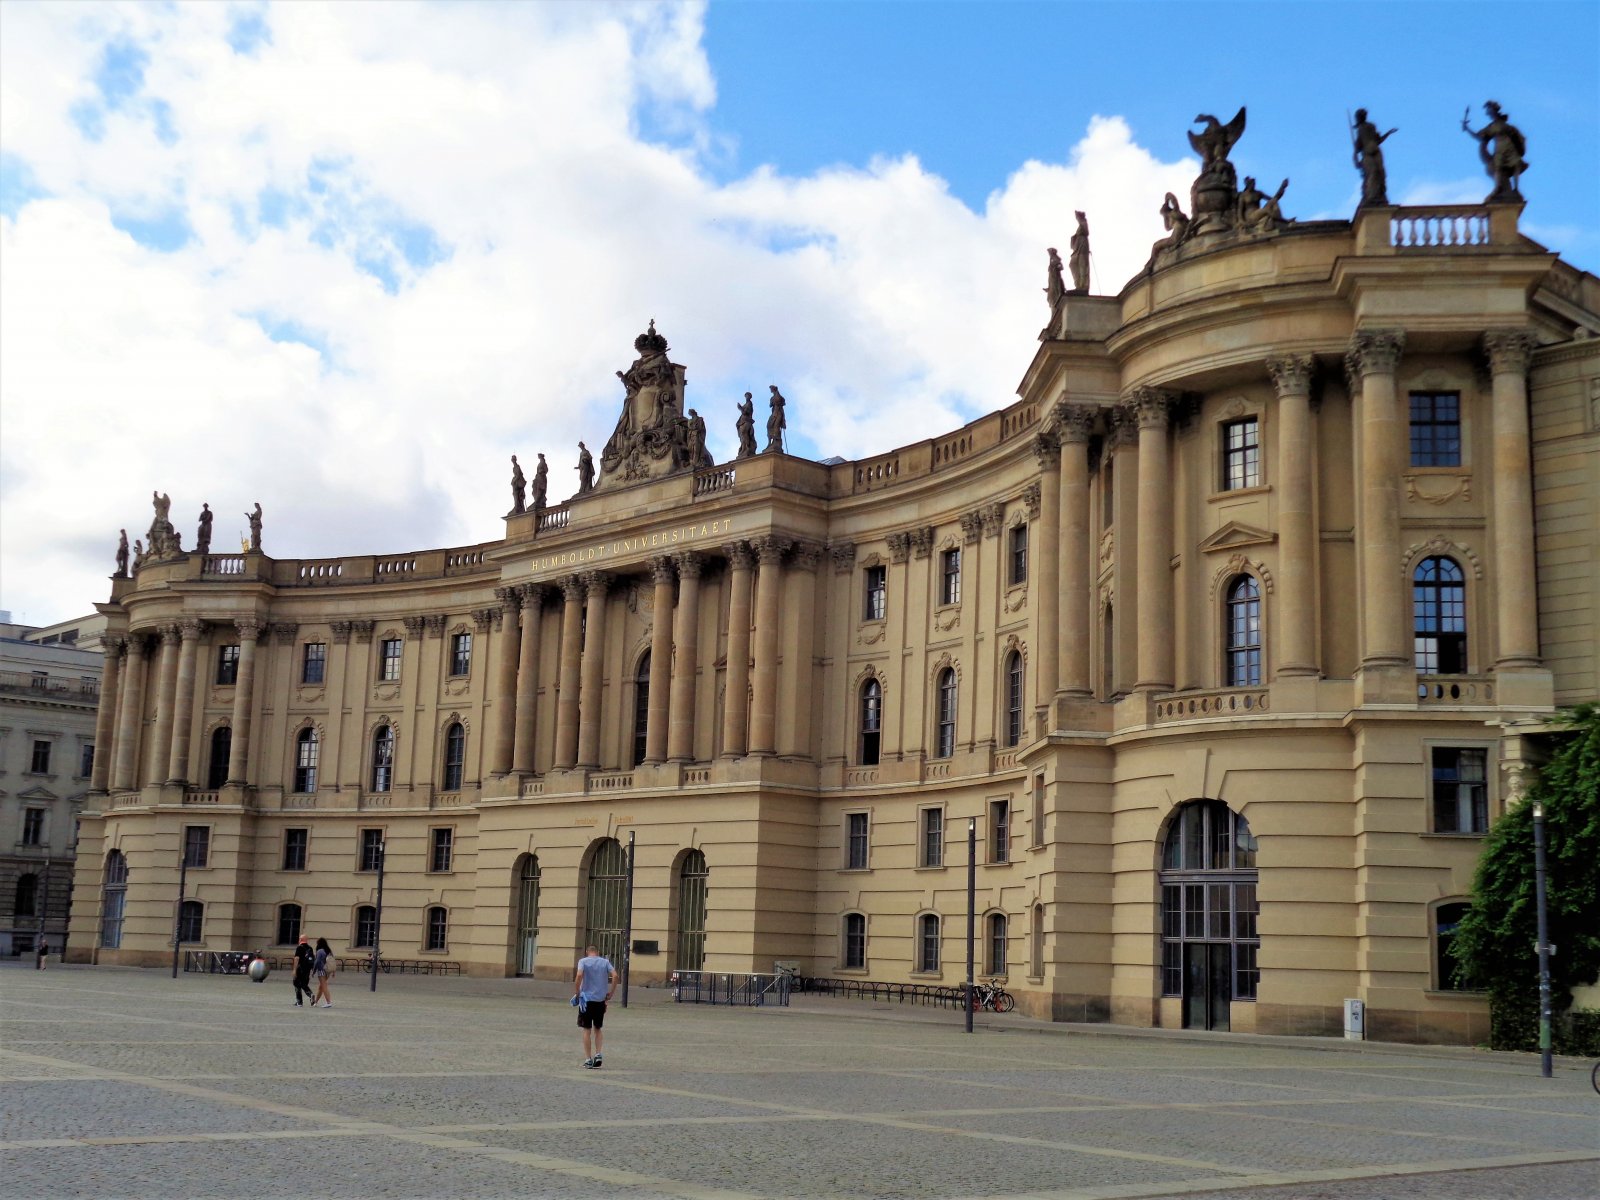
[[735, 710], [1155, 542], [105, 716], [1046, 566], [505, 681], [594, 647], [571, 654], [130, 714], [155, 767], [797, 677], [239, 745], [522, 747], [1297, 539], [764, 696], [660, 705], [686, 633], [190, 628], [1371, 362], [1515, 576], [1073, 605]]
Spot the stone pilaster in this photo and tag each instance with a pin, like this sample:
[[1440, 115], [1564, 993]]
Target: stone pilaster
[[507, 652], [1155, 614], [1297, 535], [243, 707], [190, 629], [522, 747], [1517, 608], [1371, 362], [1073, 576], [114, 649], [658, 711], [590, 714], [686, 634], [735, 708], [764, 695], [572, 591]]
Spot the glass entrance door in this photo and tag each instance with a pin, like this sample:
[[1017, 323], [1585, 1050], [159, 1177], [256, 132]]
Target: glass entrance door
[[1207, 985]]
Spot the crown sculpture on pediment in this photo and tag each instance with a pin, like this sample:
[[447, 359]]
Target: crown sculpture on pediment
[[654, 436]]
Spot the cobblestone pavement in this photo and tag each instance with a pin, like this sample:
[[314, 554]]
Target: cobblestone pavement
[[127, 1083]]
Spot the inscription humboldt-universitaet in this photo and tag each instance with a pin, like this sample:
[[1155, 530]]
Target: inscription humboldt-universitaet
[[599, 552]]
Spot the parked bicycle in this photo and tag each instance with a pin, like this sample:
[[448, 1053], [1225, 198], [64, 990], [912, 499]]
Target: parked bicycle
[[991, 996]]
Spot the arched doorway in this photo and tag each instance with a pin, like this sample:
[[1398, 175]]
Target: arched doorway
[[693, 875], [527, 929], [1209, 939], [113, 900], [608, 899]]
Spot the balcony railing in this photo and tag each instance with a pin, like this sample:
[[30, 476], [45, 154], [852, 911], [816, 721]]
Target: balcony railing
[[1225, 702], [1454, 689], [47, 687], [1412, 228]]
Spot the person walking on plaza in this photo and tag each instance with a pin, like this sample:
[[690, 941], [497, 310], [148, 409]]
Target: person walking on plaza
[[304, 956], [592, 986], [322, 968], [43, 953]]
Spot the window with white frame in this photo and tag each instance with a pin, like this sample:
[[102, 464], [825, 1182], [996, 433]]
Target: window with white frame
[[1241, 454], [1460, 789], [460, 653], [854, 956], [442, 849], [1012, 732], [871, 748], [438, 928], [931, 838], [1439, 616], [995, 962], [1244, 632], [389, 658], [855, 850], [944, 744], [455, 755], [950, 576], [928, 942], [999, 831], [383, 758], [876, 604]]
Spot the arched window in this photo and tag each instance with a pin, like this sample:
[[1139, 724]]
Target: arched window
[[1209, 941], [383, 758], [1446, 918], [995, 956], [945, 742], [854, 955], [928, 942], [289, 916], [1037, 949], [871, 723], [455, 755], [27, 900], [1013, 723], [693, 878], [191, 917], [113, 900], [366, 928], [641, 708], [608, 898], [1243, 632], [305, 761], [217, 767], [1439, 616], [438, 926]]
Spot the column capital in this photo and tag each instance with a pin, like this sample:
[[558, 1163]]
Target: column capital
[[249, 628], [1074, 422], [413, 625], [844, 557], [596, 584], [573, 589], [993, 517], [661, 570], [483, 619], [510, 598], [1122, 425], [191, 628], [770, 549], [1509, 350], [363, 631], [807, 555], [1374, 350], [1047, 449], [922, 541], [1032, 496], [899, 546], [531, 595], [1291, 373], [739, 555], [341, 632], [690, 563], [434, 624], [1152, 406], [170, 632], [284, 632], [971, 526], [114, 645]]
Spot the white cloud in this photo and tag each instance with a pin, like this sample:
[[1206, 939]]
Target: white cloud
[[498, 145]]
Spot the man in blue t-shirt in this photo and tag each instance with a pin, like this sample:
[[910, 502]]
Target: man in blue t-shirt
[[592, 986]]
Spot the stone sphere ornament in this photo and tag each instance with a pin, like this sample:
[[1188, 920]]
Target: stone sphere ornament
[[259, 970]]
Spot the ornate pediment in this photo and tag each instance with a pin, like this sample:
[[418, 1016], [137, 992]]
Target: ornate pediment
[[37, 794], [654, 435], [1236, 534]]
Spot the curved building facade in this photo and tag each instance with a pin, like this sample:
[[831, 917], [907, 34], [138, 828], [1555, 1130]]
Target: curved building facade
[[1227, 638]]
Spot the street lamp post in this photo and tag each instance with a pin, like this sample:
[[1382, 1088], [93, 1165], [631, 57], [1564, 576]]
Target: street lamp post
[[972, 908], [177, 921], [1544, 938], [627, 925], [377, 921]]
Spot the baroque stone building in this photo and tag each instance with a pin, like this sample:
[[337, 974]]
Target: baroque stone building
[[1228, 636]]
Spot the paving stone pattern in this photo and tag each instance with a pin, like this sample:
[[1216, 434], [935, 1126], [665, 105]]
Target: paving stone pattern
[[125, 1083]]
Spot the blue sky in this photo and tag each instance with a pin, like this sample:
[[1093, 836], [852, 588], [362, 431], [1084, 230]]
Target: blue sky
[[346, 258]]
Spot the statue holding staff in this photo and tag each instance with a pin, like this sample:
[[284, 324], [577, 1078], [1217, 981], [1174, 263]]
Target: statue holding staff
[[1506, 162], [1367, 153], [746, 425]]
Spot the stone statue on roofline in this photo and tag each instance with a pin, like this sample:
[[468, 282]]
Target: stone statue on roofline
[[1259, 211], [541, 484], [746, 427], [254, 517], [1367, 152], [776, 422], [1054, 286], [1212, 198], [519, 487], [202, 537], [653, 436], [585, 470], [1078, 259], [122, 555], [1506, 161]]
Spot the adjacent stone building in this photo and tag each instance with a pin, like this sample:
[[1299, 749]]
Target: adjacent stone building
[[1227, 636]]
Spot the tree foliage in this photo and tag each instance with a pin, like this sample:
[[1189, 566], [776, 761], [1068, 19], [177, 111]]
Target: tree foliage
[[1494, 945]]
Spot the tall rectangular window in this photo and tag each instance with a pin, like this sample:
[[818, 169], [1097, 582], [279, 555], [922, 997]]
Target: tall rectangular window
[[1018, 556], [855, 942], [877, 595], [33, 827], [460, 653], [932, 838], [1435, 429], [999, 831], [438, 927], [366, 928], [227, 665], [86, 761], [1460, 790], [1241, 454], [855, 851], [196, 845], [295, 844], [950, 576], [1038, 810], [371, 849], [444, 840], [40, 763], [314, 664], [389, 651]]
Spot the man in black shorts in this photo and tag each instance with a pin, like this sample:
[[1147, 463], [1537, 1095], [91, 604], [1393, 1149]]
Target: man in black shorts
[[592, 986]]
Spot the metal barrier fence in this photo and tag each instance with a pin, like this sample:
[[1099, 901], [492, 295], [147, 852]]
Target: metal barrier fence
[[732, 988], [218, 962], [897, 993], [237, 962]]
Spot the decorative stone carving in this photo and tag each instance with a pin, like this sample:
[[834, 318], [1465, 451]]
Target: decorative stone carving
[[922, 542], [776, 422], [250, 628], [1055, 286], [1079, 258], [596, 581], [573, 589], [510, 598], [661, 569], [1505, 162], [485, 619], [971, 526], [1373, 350], [284, 632], [585, 469], [1291, 374], [745, 426], [1439, 489], [340, 631], [1075, 422], [202, 537], [993, 517], [1367, 153], [770, 549], [541, 483], [122, 555], [363, 631], [519, 487], [806, 556], [844, 557], [739, 554], [1211, 197], [1509, 350], [414, 625], [1259, 211], [1153, 406], [1177, 224], [1439, 544], [1124, 426], [899, 547], [1047, 449], [254, 517], [653, 436], [192, 628], [1031, 496], [1238, 564], [690, 564]]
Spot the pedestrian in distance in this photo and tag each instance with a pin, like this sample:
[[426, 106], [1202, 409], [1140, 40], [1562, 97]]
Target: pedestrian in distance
[[304, 957], [592, 986], [43, 954], [322, 966]]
